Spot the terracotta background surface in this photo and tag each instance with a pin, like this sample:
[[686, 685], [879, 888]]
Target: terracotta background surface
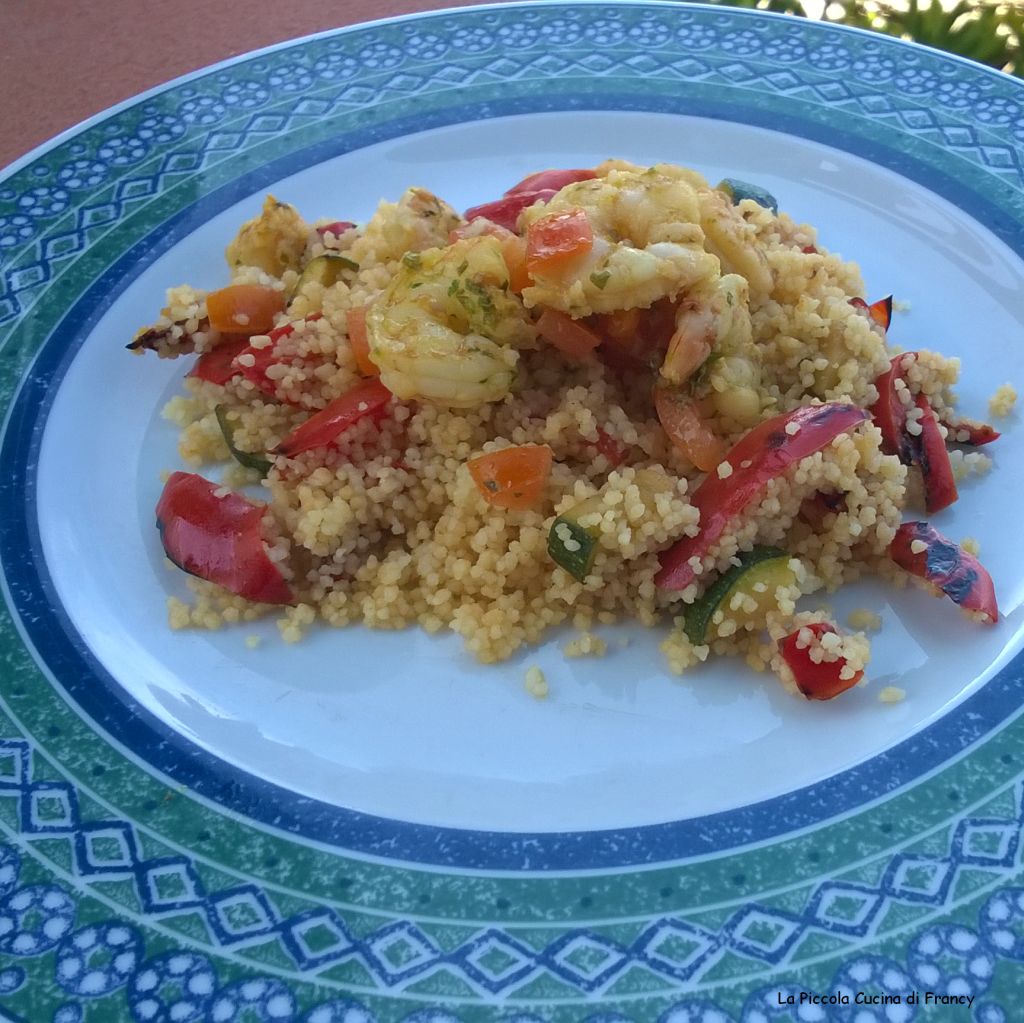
[[65, 60]]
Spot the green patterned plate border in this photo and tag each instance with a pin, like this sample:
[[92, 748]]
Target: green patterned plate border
[[124, 897]]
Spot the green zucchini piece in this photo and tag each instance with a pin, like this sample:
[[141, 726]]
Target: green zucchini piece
[[246, 458], [738, 190], [572, 546], [325, 269], [757, 565]]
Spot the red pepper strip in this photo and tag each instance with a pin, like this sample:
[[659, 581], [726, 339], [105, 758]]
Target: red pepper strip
[[761, 455], [554, 179], [264, 358], [505, 211], [880, 311], [947, 566], [337, 228], [218, 539], [365, 399], [977, 433], [215, 366], [817, 681], [890, 414], [809, 250], [930, 452]]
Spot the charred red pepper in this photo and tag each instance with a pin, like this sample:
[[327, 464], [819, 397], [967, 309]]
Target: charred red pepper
[[505, 211], [816, 680], [337, 228], [369, 398], [217, 365], [931, 454], [219, 539], [263, 358], [969, 431], [946, 566], [889, 412], [611, 447], [880, 311], [553, 179], [761, 455]]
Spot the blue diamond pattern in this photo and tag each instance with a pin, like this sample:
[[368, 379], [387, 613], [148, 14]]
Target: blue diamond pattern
[[986, 842], [845, 908], [299, 933], [919, 879], [241, 913], [107, 847], [49, 808], [400, 951], [169, 884], [676, 948], [584, 959], [495, 961], [763, 933]]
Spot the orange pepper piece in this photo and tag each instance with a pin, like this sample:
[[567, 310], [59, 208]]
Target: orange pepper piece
[[557, 239], [359, 342], [246, 309], [513, 477]]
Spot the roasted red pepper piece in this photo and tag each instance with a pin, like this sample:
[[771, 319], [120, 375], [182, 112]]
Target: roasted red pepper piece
[[889, 413], [217, 365], [369, 398], [762, 454], [553, 179], [337, 228], [817, 681], [219, 539], [611, 447], [880, 311], [505, 211], [265, 357], [976, 433], [931, 454], [947, 566]]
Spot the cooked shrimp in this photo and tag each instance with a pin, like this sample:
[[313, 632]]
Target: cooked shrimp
[[274, 241], [419, 220], [447, 329], [648, 243], [733, 240], [713, 328]]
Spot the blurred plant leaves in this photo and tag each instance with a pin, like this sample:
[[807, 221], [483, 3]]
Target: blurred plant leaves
[[991, 33]]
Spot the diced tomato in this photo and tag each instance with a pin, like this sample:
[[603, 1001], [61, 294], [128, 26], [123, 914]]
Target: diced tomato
[[687, 429], [216, 366], [809, 250], [359, 341], [219, 538], [931, 454], [369, 398], [946, 566], [634, 339], [816, 680], [513, 248], [337, 228], [556, 240], [759, 456], [512, 478], [611, 447], [244, 308], [505, 211], [553, 179], [569, 336]]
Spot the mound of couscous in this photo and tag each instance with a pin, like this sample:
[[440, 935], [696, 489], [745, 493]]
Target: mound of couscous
[[612, 394]]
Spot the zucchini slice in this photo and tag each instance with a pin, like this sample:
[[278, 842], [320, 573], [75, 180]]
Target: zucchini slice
[[767, 565], [573, 546], [738, 190], [325, 269], [247, 458]]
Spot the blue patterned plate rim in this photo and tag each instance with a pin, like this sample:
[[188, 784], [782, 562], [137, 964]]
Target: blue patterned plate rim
[[57, 647]]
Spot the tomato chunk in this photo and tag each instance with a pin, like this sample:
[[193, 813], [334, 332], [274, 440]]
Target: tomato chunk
[[557, 239], [369, 398], [218, 538], [512, 478], [817, 680], [757, 457], [688, 430], [359, 341], [244, 308], [569, 336], [253, 363]]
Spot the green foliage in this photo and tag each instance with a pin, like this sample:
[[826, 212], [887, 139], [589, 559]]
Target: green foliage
[[990, 32]]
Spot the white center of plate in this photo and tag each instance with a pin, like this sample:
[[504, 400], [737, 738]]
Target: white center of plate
[[407, 726]]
